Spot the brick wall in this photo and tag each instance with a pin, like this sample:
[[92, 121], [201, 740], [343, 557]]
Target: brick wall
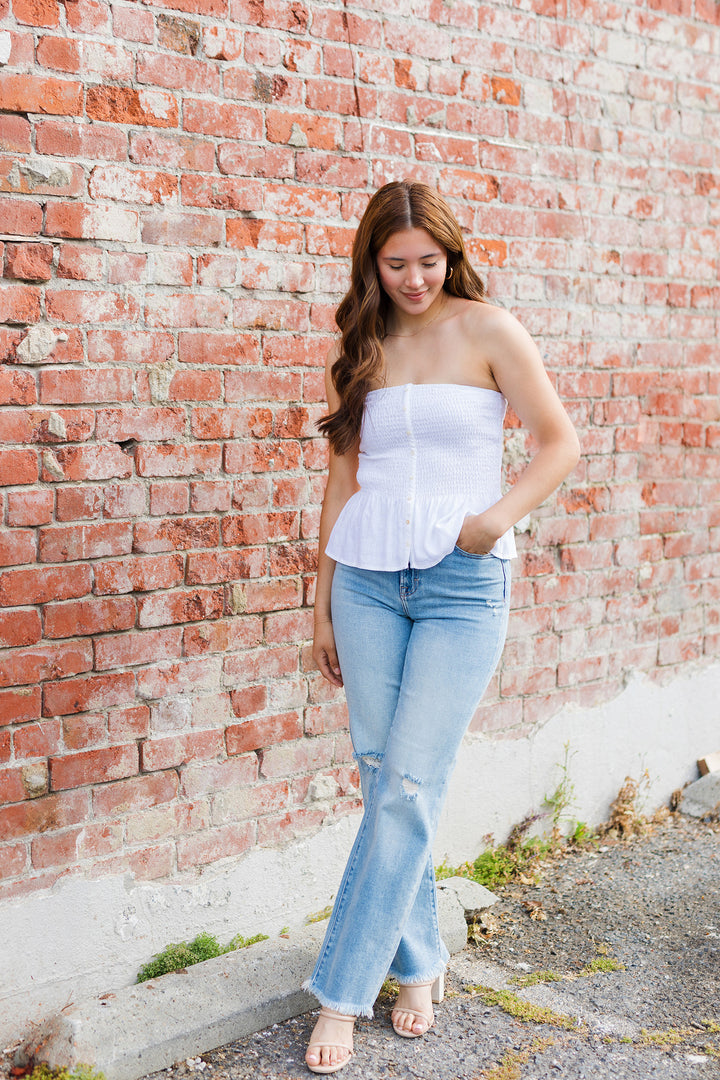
[[179, 185]]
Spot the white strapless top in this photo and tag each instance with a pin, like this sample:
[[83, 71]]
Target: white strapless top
[[430, 453]]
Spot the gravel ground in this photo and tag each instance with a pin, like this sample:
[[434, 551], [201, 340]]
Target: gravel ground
[[651, 904]]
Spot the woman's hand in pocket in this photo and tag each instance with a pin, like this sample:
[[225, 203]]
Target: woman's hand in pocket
[[480, 533]]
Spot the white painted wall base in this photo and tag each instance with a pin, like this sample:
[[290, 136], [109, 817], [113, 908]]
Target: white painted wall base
[[84, 938]]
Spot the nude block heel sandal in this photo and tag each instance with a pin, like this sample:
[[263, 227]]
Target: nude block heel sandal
[[437, 992]]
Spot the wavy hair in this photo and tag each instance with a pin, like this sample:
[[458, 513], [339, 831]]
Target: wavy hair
[[363, 311]]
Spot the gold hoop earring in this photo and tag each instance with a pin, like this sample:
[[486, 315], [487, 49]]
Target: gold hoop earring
[[449, 273]]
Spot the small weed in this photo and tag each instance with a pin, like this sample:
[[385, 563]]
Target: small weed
[[625, 817], [498, 866], [582, 835], [563, 797], [184, 954], [523, 1010], [535, 977], [712, 1026], [318, 916]]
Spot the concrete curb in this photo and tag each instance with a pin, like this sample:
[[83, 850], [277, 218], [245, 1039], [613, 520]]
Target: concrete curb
[[150, 1026]]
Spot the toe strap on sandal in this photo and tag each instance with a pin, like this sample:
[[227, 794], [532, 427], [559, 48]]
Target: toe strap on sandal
[[319, 1045]]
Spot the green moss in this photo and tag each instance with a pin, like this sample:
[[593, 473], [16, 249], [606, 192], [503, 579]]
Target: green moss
[[535, 977], [183, 954], [524, 1010], [318, 916], [602, 963], [80, 1072]]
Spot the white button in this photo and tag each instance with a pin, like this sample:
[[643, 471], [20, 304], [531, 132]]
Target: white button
[[413, 453], [407, 521], [408, 431]]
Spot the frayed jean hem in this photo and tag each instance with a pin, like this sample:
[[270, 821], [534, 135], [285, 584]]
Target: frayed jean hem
[[423, 979], [337, 1006]]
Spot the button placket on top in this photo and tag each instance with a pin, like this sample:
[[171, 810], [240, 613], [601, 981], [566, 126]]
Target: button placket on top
[[412, 465]]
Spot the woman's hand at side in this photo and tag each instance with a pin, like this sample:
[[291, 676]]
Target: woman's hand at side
[[324, 652]]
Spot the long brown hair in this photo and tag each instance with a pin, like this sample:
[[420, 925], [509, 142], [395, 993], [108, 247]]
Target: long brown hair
[[363, 311]]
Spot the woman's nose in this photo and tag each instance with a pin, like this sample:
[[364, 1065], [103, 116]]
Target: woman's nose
[[415, 275]]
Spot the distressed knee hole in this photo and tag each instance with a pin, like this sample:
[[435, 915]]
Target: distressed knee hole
[[410, 787], [371, 760]]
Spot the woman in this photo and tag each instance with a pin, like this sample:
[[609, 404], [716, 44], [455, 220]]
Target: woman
[[413, 575]]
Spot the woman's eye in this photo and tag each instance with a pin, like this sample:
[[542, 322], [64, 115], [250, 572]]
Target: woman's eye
[[429, 266]]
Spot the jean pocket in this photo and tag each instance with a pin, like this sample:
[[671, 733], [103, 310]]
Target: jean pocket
[[473, 554]]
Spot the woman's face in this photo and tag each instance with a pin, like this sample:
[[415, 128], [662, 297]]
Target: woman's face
[[412, 267]]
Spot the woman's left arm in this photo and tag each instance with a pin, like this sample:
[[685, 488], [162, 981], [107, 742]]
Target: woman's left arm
[[519, 372]]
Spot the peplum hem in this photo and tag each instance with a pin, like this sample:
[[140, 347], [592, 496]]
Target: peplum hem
[[367, 534]]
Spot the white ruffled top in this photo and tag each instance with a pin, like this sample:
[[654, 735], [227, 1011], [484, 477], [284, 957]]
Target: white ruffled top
[[430, 453]]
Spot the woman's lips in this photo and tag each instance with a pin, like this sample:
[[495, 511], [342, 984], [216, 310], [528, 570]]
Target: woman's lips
[[414, 296]]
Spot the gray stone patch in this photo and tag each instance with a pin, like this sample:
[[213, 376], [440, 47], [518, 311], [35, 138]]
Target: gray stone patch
[[702, 798]]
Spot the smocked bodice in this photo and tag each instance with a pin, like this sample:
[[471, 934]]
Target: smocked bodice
[[429, 455]]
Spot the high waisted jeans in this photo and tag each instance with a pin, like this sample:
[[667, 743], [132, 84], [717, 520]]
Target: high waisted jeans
[[417, 649]]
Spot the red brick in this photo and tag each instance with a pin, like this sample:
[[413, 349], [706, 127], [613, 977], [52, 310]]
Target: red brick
[[132, 25], [93, 767], [116, 183], [37, 740], [74, 543], [178, 460], [19, 627], [13, 860], [40, 584], [76, 503], [210, 567], [86, 730], [37, 94], [123, 105], [31, 262], [226, 120], [138, 793], [183, 229], [15, 134], [19, 705], [17, 387], [220, 194], [86, 222], [172, 151], [251, 802], [162, 680], [81, 695], [17, 547], [80, 263], [131, 649], [90, 463], [213, 844], [125, 500], [80, 306], [40, 662], [43, 814], [128, 723], [29, 507], [265, 731], [19, 303], [91, 616], [140, 574], [180, 607], [96, 142], [209, 495], [172, 498], [178, 73], [180, 750]]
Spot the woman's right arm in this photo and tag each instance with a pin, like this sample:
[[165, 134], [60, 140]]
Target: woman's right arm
[[341, 484]]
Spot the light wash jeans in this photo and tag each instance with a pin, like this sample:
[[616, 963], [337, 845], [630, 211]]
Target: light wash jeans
[[417, 649]]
